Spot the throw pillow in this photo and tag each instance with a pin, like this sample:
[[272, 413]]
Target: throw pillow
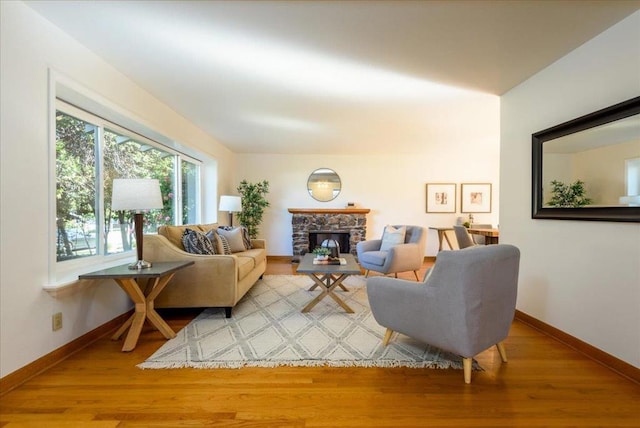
[[234, 236], [196, 242], [224, 243], [215, 241], [246, 238], [392, 237]]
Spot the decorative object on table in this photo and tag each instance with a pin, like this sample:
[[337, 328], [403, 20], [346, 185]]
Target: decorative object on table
[[231, 204], [321, 253], [253, 205], [441, 197], [475, 197], [136, 194], [281, 335], [568, 195], [333, 246]]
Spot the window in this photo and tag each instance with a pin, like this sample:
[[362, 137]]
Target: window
[[90, 153]]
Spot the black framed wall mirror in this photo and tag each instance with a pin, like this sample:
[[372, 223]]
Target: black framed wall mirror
[[324, 185], [600, 149]]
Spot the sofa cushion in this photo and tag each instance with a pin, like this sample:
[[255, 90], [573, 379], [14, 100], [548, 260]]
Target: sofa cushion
[[258, 255], [392, 237], [174, 233], [234, 236], [373, 257], [196, 242]]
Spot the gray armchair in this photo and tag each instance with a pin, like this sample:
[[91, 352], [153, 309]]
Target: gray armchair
[[465, 305], [399, 258]]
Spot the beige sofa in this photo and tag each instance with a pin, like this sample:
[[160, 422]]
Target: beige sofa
[[214, 280]]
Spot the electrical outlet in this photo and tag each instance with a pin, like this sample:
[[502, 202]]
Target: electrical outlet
[[56, 321]]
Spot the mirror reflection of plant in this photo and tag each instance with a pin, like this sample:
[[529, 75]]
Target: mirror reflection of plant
[[568, 195]]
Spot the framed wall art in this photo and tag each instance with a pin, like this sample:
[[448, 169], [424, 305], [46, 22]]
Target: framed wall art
[[441, 197], [475, 197]]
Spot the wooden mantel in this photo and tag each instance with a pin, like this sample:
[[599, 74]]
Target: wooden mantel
[[329, 210]]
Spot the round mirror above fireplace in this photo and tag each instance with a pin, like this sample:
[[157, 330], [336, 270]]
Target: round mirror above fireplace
[[324, 184]]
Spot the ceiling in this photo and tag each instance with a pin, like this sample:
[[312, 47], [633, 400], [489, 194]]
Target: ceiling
[[317, 77]]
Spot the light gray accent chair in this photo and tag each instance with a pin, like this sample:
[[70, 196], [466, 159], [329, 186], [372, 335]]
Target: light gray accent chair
[[479, 239], [465, 304], [463, 237], [399, 258]]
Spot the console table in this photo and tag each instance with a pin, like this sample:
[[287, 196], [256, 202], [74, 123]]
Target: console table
[[157, 277], [442, 236], [491, 236]]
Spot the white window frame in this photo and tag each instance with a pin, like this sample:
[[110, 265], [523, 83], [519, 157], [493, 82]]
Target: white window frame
[[64, 274]]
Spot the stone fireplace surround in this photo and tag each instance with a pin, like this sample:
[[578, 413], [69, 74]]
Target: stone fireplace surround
[[322, 220]]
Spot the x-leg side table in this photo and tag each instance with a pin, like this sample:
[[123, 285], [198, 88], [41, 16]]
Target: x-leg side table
[[157, 276]]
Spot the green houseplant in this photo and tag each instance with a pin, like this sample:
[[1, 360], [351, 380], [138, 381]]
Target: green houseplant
[[568, 195], [253, 205]]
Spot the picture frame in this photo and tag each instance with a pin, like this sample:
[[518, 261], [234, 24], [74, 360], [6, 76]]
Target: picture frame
[[441, 197], [475, 198]]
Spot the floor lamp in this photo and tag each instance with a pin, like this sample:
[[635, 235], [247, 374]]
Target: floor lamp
[[136, 194], [232, 204]]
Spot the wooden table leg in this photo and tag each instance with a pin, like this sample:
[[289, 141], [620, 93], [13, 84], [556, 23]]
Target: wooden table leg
[[441, 236], [131, 287], [151, 313], [446, 237], [143, 310], [327, 290]]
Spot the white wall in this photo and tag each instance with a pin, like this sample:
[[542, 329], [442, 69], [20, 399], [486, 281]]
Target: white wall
[[580, 277], [392, 186], [30, 46]]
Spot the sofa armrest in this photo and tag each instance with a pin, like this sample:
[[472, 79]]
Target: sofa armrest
[[258, 243]]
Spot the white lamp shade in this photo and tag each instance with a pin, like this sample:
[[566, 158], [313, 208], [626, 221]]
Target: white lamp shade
[[136, 194], [230, 203]]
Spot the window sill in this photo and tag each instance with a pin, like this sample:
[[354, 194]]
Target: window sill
[[70, 284]]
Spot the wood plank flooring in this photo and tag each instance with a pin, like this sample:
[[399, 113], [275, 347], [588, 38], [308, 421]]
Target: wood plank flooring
[[544, 384]]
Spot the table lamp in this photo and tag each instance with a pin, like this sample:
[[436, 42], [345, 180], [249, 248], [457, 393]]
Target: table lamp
[[136, 194], [231, 204]]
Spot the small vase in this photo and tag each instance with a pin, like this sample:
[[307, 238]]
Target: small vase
[[322, 257]]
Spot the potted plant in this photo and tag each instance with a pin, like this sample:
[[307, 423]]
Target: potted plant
[[322, 253], [568, 195], [253, 205]]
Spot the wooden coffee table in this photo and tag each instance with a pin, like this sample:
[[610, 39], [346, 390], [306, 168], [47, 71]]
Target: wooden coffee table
[[328, 277]]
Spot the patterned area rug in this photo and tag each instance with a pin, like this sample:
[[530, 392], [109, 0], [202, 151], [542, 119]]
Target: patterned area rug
[[267, 329]]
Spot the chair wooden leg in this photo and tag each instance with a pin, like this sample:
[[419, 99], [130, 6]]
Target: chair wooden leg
[[387, 337], [467, 364], [415, 272], [502, 351], [366, 273]]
